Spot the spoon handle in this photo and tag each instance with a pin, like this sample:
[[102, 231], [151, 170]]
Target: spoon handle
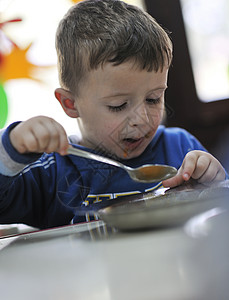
[[85, 154]]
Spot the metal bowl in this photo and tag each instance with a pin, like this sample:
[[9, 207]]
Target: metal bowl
[[172, 207]]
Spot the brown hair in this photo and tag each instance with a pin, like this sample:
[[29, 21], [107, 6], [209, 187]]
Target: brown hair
[[94, 32]]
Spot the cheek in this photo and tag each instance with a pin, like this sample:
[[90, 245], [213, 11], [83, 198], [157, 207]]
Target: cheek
[[113, 128], [156, 115]]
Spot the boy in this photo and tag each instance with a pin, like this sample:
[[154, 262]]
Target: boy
[[113, 66]]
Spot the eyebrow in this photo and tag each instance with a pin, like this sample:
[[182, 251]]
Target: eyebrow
[[164, 87], [126, 94], [115, 95]]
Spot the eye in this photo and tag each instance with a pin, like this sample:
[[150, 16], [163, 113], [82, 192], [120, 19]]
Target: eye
[[117, 108], [153, 101]]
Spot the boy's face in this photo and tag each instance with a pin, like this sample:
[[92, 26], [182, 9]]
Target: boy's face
[[120, 108]]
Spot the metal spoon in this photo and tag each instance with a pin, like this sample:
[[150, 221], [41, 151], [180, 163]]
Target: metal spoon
[[145, 173]]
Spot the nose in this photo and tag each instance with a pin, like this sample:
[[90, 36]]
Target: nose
[[139, 116]]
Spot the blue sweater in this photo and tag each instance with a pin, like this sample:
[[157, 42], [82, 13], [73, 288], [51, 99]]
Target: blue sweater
[[47, 190]]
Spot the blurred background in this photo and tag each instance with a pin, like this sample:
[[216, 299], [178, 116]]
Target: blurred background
[[198, 94]]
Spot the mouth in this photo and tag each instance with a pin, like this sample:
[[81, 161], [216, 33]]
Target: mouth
[[132, 143]]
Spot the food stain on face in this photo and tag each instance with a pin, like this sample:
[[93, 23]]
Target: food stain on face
[[150, 134], [125, 153]]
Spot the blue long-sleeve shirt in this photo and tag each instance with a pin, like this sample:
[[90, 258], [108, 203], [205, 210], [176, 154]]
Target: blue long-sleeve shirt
[[47, 190]]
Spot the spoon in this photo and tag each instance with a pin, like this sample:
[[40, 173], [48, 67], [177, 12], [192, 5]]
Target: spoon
[[145, 173]]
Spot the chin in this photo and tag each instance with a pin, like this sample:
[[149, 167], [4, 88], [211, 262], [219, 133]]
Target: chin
[[130, 154], [123, 152]]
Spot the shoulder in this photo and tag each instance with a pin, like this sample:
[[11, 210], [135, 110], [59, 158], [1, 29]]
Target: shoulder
[[178, 136], [170, 145], [174, 131]]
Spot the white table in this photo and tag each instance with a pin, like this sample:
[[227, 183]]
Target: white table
[[93, 261]]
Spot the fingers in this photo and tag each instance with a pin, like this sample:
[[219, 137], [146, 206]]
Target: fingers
[[47, 137], [184, 173], [214, 172], [195, 165], [174, 181], [202, 166], [199, 165], [39, 134]]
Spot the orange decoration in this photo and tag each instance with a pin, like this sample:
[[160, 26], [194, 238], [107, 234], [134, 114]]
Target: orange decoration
[[76, 1], [15, 65]]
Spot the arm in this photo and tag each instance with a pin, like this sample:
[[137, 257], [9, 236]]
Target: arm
[[27, 180], [32, 138]]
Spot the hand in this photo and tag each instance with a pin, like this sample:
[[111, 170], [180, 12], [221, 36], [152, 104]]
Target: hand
[[39, 134], [198, 165]]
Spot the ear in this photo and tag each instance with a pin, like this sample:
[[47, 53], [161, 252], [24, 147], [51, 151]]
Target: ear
[[67, 101]]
